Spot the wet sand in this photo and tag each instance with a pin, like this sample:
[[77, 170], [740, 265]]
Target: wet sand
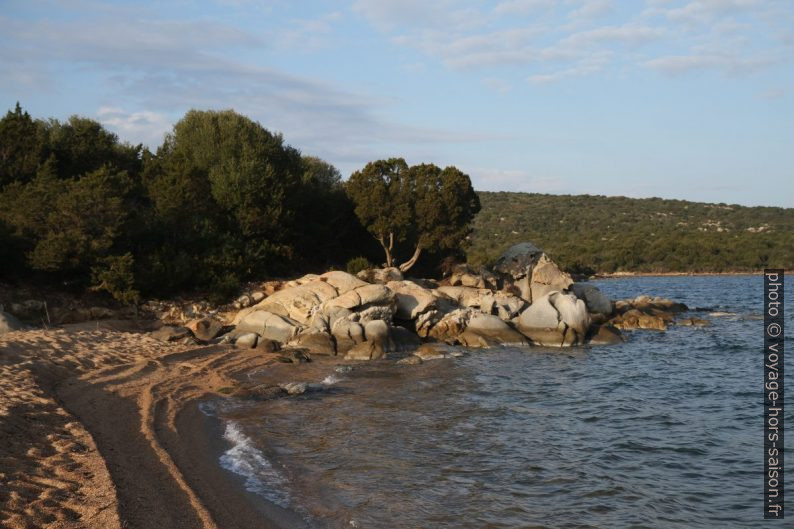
[[100, 428]]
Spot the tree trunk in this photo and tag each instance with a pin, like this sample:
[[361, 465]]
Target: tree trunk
[[387, 249], [412, 261]]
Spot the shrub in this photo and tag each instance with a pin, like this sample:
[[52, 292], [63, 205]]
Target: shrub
[[357, 264]]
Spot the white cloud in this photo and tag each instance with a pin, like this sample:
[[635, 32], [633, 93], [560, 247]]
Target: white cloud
[[592, 9], [144, 126]]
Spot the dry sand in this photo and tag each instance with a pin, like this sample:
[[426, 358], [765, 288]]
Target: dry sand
[[100, 428]]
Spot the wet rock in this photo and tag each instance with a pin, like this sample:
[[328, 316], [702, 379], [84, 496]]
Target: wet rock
[[409, 361], [366, 351], [431, 352], [605, 334], [694, 322], [294, 388], [637, 319], [557, 319], [262, 392]]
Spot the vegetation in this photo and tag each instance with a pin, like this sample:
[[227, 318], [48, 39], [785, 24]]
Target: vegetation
[[223, 200], [615, 234], [423, 207]]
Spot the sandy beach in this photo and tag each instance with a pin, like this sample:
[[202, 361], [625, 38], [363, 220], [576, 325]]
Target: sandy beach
[[100, 428]]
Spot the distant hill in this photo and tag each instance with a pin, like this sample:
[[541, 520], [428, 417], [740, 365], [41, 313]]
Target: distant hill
[[613, 234]]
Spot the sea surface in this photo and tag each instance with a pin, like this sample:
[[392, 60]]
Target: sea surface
[[664, 431]]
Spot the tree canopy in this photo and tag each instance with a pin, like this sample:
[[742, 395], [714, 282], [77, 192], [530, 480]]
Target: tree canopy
[[423, 206]]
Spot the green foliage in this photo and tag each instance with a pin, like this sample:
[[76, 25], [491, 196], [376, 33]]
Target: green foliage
[[115, 275], [21, 147], [357, 264], [612, 234], [423, 206]]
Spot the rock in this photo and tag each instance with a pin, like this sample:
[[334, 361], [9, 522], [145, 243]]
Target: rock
[[347, 334], [257, 296], [464, 296], [205, 329], [247, 340], [503, 304], [412, 299], [269, 325], [295, 356], [646, 303], [426, 321], [518, 259], [342, 281], [9, 323], [637, 319], [170, 333], [484, 330], [294, 388], [362, 297], [694, 322], [557, 319], [267, 346], [30, 309], [604, 335], [409, 361], [375, 312], [547, 277], [430, 352], [299, 302], [450, 326], [319, 343], [101, 313], [463, 275], [594, 299], [403, 340], [264, 392], [380, 275], [366, 351], [377, 331]]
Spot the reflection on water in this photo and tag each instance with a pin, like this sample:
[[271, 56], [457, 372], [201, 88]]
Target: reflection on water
[[663, 431]]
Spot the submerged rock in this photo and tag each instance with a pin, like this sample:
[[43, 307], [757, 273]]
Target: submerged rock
[[694, 322]]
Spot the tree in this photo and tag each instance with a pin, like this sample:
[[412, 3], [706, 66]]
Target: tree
[[382, 197], [422, 206], [21, 147]]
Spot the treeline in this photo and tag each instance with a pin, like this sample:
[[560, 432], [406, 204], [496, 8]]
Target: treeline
[[223, 200], [611, 234]]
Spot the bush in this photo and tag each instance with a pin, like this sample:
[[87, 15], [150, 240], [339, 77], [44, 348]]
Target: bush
[[357, 264]]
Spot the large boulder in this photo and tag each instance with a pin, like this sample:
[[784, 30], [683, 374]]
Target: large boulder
[[412, 299], [347, 334], [484, 330], [594, 299], [380, 275], [205, 329], [378, 342], [299, 302], [269, 325], [362, 298], [342, 281], [9, 323], [449, 326], [530, 273], [556, 319]]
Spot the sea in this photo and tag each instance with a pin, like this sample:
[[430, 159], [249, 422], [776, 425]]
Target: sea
[[663, 431]]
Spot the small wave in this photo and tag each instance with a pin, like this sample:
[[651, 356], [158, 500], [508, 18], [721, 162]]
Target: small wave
[[245, 460], [331, 379]]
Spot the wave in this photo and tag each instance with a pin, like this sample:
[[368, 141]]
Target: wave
[[245, 460]]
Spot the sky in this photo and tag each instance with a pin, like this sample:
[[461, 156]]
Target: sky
[[688, 99]]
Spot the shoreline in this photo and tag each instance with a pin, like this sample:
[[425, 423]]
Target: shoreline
[[120, 412], [618, 275]]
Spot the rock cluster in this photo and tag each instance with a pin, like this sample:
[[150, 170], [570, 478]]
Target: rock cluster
[[525, 300]]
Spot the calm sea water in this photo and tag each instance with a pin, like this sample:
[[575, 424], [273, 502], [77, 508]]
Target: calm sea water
[[663, 431]]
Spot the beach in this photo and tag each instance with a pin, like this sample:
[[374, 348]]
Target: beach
[[100, 428]]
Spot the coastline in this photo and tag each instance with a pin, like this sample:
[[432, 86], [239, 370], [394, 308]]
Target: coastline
[[119, 439]]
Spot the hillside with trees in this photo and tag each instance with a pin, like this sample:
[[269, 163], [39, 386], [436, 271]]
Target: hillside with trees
[[614, 234]]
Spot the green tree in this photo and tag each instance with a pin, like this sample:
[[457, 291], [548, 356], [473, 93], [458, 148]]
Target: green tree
[[423, 206], [21, 147]]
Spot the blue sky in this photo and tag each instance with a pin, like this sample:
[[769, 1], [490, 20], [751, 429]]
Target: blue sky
[[685, 99]]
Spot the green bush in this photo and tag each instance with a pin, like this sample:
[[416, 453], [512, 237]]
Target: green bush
[[357, 264]]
